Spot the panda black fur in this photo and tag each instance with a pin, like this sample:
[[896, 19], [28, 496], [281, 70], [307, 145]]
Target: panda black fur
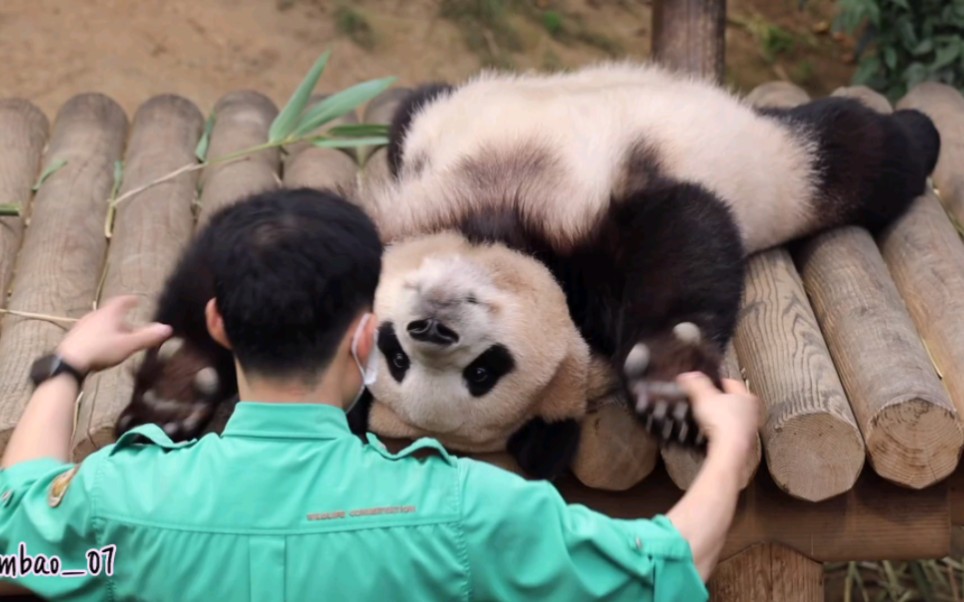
[[640, 191]]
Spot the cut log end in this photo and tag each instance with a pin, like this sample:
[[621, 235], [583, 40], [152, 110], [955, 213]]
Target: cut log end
[[915, 443], [683, 465], [615, 452], [815, 456]]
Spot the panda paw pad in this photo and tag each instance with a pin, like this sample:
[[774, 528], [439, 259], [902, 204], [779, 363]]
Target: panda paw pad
[[176, 389], [651, 369]]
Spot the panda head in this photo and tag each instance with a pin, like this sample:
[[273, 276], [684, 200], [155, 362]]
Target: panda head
[[474, 341]]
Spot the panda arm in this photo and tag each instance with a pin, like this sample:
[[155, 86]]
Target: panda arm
[[681, 253]]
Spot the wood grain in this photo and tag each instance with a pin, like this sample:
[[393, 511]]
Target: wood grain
[[689, 35], [242, 120], [25, 130], [150, 231], [767, 572], [812, 445], [926, 259], [874, 520], [945, 106], [63, 249], [306, 165], [683, 465], [908, 422]]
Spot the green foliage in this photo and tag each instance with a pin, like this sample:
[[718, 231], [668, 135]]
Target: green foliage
[[51, 170], [485, 26], [488, 30], [552, 21], [298, 121], [353, 24], [905, 42]]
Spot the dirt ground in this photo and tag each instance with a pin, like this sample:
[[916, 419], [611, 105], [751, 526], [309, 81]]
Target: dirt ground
[[53, 49]]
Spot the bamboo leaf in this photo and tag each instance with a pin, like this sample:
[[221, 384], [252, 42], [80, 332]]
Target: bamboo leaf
[[341, 103], [118, 177], [51, 170], [289, 117], [358, 129], [349, 142], [11, 209], [201, 151]]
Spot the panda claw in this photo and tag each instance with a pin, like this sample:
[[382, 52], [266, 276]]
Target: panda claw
[[687, 332], [169, 348], [206, 381], [637, 361]]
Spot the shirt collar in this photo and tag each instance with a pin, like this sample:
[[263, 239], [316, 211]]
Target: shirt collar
[[287, 420]]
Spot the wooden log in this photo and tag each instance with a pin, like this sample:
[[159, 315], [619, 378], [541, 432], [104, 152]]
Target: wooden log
[[908, 422], [777, 94], [874, 520], [945, 106], [59, 265], [150, 231], [684, 464], [25, 129], [926, 260], [323, 168], [689, 35], [767, 572], [242, 121], [956, 485], [813, 447]]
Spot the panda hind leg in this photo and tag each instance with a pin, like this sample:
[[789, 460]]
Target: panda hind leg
[[683, 261], [178, 386]]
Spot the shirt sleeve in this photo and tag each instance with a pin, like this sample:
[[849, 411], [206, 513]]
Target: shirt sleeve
[[524, 542], [46, 529]]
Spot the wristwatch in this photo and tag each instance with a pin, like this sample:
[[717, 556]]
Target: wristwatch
[[52, 365]]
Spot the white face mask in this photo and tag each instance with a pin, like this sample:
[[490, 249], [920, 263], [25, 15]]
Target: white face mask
[[368, 374]]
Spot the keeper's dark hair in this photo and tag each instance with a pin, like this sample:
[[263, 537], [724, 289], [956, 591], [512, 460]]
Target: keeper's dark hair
[[292, 268]]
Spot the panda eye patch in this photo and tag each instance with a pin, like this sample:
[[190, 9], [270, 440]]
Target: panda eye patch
[[398, 361], [485, 371]]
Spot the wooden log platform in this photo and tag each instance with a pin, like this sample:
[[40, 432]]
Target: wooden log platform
[[855, 344]]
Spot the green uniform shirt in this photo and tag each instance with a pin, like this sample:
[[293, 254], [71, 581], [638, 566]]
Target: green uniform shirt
[[287, 504]]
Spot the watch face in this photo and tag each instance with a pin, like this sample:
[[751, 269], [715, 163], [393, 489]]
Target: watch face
[[44, 368]]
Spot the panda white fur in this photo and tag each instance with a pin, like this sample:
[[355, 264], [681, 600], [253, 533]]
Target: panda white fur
[[549, 230]]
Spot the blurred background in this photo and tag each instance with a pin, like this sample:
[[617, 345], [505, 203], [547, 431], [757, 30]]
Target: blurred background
[[53, 49]]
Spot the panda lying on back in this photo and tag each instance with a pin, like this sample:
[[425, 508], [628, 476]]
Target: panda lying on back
[[550, 231]]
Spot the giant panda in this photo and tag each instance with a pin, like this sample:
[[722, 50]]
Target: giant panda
[[558, 237]]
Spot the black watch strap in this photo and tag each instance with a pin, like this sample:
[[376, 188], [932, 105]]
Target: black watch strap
[[52, 365]]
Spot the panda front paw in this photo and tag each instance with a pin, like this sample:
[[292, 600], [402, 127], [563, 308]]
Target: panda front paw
[[651, 369], [176, 388]]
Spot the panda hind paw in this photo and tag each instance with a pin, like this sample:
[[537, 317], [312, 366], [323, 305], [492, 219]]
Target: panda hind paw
[[176, 389], [651, 369]]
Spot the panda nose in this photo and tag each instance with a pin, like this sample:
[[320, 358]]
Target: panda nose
[[432, 331]]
